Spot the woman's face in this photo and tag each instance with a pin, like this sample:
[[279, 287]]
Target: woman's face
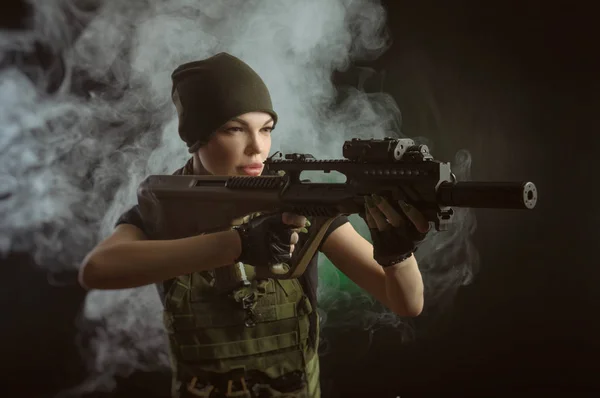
[[239, 147]]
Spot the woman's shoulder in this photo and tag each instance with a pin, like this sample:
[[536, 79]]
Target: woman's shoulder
[[132, 216], [336, 223]]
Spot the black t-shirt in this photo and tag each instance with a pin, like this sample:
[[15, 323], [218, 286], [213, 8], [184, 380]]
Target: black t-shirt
[[309, 279]]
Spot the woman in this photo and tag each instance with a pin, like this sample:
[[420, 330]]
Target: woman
[[226, 119]]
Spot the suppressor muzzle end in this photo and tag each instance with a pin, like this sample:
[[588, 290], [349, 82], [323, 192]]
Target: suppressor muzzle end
[[530, 195]]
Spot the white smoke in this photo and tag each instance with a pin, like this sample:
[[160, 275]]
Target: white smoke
[[71, 159]]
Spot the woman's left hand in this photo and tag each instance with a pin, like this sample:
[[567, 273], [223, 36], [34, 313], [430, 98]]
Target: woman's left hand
[[396, 230]]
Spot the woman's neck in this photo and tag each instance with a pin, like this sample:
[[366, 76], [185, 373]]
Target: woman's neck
[[197, 167]]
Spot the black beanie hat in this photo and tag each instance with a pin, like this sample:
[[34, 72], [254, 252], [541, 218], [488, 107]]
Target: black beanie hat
[[210, 92]]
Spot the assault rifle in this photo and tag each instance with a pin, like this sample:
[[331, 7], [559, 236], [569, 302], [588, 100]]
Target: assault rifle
[[397, 169]]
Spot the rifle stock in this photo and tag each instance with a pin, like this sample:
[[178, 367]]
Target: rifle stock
[[181, 206]]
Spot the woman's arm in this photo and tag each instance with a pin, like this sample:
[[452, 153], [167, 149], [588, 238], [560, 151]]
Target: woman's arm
[[126, 259], [399, 287]]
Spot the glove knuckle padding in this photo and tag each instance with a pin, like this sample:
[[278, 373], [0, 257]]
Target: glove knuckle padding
[[394, 244]]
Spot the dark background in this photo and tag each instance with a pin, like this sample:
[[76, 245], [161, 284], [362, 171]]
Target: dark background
[[513, 82]]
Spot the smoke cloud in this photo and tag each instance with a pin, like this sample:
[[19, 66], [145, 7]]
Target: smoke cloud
[[81, 130]]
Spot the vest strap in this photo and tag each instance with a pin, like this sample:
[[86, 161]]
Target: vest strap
[[179, 290], [207, 317], [239, 348]]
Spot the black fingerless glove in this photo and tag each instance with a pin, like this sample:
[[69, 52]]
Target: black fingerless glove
[[394, 244], [265, 241]]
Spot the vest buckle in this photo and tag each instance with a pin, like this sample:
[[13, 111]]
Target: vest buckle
[[249, 301], [199, 392], [248, 304]]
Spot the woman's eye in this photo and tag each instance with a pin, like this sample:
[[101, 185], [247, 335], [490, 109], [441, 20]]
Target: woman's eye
[[241, 129]]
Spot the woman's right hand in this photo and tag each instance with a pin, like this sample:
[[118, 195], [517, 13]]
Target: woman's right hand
[[270, 239]]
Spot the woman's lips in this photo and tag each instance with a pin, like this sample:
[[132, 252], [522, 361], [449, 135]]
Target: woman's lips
[[252, 171]]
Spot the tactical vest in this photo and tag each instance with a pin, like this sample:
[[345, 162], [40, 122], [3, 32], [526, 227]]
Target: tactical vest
[[249, 341]]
